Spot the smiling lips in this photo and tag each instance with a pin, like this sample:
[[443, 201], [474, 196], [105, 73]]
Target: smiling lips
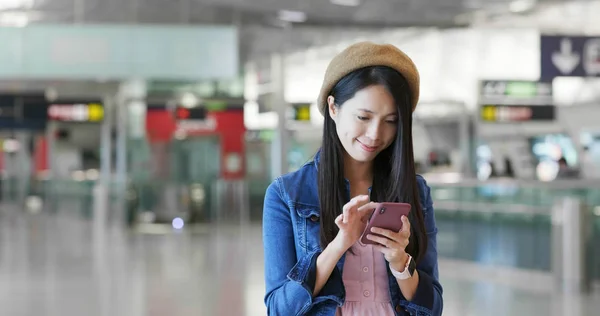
[[367, 148]]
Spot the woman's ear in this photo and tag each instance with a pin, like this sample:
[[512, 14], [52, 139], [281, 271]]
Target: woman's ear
[[333, 110]]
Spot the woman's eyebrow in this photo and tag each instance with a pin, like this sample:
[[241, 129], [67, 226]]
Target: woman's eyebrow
[[373, 112], [368, 111]]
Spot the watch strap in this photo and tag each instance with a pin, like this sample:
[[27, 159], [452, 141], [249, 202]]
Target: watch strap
[[408, 271]]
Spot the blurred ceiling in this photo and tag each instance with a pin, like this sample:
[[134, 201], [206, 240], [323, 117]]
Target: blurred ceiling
[[313, 12], [313, 21]]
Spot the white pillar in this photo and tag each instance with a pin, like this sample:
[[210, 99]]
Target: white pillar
[[570, 236], [101, 193], [51, 172], [131, 123], [23, 165], [106, 141], [132, 95], [278, 146], [465, 142]]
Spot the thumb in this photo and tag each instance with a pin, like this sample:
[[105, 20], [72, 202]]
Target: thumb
[[405, 224]]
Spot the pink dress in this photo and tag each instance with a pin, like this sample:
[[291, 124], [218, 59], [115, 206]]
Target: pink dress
[[366, 282]]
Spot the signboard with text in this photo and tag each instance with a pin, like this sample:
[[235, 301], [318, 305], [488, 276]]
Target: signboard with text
[[507, 91], [23, 112], [569, 56], [76, 112], [509, 101], [498, 113]]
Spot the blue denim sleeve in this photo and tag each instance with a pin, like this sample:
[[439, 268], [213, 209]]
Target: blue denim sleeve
[[428, 298], [289, 280]]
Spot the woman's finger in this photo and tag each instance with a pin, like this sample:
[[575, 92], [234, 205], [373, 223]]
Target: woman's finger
[[338, 219], [387, 252], [386, 232], [381, 240], [361, 200], [404, 236], [345, 216], [390, 254], [351, 207], [405, 224], [348, 205], [347, 209], [366, 210], [405, 232], [367, 206]]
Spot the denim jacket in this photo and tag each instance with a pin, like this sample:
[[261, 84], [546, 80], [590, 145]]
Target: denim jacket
[[291, 247]]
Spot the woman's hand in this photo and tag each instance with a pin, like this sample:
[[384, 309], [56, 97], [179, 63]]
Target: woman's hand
[[353, 220], [393, 244]]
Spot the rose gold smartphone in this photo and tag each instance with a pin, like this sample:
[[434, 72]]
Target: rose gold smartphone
[[386, 216]]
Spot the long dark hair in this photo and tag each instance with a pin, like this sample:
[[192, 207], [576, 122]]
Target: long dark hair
[[394, 177]]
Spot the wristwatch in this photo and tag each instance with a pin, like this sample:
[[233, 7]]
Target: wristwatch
[[408, 272]]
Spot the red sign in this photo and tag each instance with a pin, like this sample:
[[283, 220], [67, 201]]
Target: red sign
[[195, 127], [40, 154], [161, 126], [182, 113]]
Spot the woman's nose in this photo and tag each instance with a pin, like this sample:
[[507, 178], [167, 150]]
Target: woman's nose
[[373, 131]]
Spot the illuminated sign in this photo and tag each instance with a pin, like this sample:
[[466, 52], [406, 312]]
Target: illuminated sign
[[207, 125], [301, 112], [515, 92], [182, 113], [569, 56], [517, 113], [516, 89], [78, 112]]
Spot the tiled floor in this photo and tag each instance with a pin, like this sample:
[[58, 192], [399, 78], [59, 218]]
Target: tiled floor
[[61, 266]]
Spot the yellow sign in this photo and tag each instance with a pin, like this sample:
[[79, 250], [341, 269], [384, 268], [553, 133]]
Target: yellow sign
[[303, 113], [95, 112], [488, 113]]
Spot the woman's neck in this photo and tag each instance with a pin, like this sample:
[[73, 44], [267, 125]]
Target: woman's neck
[[356, 171]]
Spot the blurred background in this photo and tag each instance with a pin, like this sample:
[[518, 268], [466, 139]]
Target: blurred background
[[137, 138]]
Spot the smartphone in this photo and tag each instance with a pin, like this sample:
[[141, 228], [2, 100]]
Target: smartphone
[[386, 216]]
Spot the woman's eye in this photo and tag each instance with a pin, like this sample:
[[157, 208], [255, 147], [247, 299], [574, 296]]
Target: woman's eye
[[362, 118], [392, 122]]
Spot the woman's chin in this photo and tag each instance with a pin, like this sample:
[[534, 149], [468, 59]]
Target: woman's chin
[[363, 156]]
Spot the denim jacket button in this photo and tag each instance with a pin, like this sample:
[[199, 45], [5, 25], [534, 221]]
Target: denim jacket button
[[314, 218], [398, 308]]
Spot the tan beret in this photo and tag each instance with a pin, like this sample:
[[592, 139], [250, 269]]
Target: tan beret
[[366, 54]]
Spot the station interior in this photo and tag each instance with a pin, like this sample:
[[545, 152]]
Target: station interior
[[138, 139]]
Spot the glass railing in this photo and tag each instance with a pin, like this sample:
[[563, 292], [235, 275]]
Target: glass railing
[[527, 193], [509, 223], [497, 223]]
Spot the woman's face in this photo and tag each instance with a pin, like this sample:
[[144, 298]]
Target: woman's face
[[367, 123]]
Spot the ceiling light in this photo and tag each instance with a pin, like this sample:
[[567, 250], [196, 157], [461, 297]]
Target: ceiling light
[[189, 100], [51, 94], [15, 4], [346, 3], [14, 19], [19, 18], [292, 16], [520, 6]]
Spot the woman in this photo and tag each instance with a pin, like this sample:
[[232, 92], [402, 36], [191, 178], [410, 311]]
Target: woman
[[313, 218]]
